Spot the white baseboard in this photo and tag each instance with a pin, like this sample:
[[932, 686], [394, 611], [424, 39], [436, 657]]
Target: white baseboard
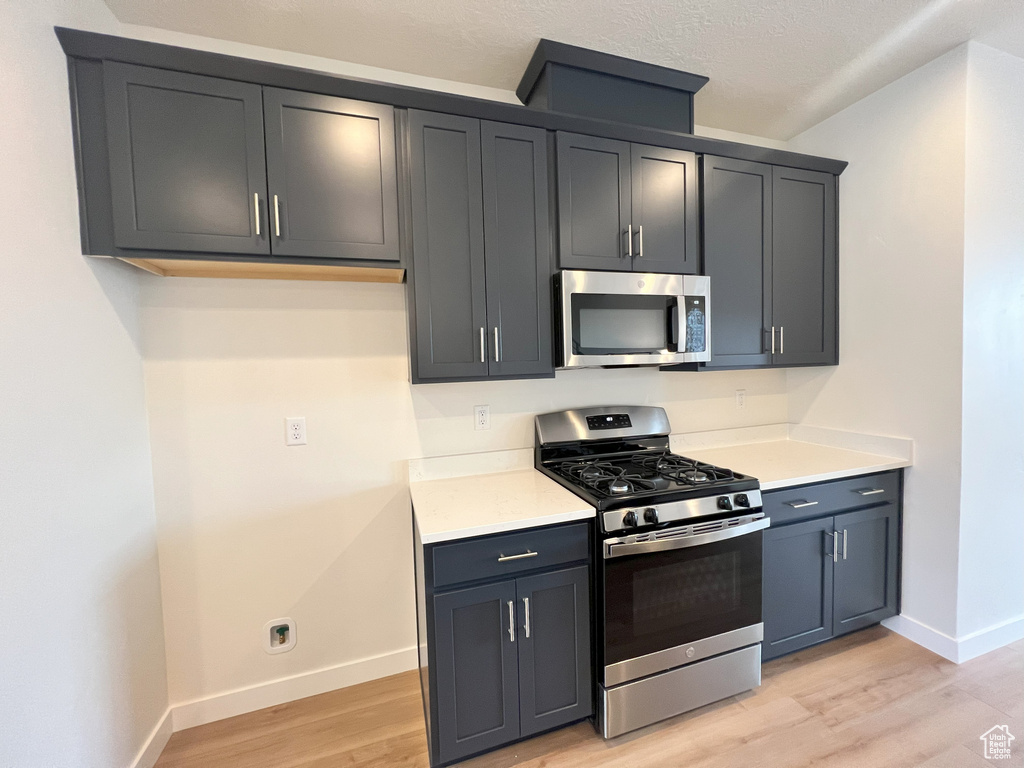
[[155, 744], [985, 640], [958, 649], [242, 700]]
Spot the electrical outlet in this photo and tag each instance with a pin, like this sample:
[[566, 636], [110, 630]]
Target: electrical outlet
[[481, 417], [741, 398], [295, 431]]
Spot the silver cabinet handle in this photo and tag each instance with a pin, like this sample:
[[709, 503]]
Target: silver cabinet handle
[[869, 491], [844, 543], [497, 346], [511, 621], [640, 237], [835, 545], [483, 346], [526, 608], [256, 207], [773, 339], [277, 217], [782, 339], [523, 556], [629, 241], [801, 504]]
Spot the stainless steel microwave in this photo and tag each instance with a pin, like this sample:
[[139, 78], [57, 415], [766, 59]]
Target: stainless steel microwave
[[629, 318]]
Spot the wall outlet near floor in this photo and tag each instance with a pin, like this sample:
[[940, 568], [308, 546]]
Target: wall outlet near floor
[[279, 635], [741, 398], [295, 431], [481, 417]]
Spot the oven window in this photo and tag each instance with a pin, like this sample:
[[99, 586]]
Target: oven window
[[660, 600], [607, 324]]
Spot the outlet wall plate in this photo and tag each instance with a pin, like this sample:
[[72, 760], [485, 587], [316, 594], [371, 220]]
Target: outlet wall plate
[[295, 430], [271, 639]]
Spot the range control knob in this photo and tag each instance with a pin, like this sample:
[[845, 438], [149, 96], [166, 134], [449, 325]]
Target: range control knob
[[651, 516], [629, 519], [724, 503], [741, 500]]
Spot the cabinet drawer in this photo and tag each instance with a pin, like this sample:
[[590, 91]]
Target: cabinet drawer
[[499, 556], [789, 505]]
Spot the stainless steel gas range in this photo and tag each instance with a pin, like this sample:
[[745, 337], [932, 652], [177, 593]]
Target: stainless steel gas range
[[678, 586]]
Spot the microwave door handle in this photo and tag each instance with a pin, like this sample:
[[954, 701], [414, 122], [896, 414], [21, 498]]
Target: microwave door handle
[[614, 548], [673, 326]]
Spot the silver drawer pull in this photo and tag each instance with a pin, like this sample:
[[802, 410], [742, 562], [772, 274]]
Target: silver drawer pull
[[506, 558], [800, 504], [870, 491]]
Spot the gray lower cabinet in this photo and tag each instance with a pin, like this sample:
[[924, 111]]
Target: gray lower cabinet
[[479, 279], [187, 166], [626, 207], [829, 571], [331, 176], [770, 250], [505, 640]]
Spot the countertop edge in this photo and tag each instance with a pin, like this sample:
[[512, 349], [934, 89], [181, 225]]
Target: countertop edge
[[838, 474]]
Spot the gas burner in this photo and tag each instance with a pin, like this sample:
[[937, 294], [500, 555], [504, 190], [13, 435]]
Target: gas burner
[[682, 469], [606, 477]]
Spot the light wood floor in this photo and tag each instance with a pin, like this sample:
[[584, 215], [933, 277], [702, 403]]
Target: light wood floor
[[869, 699]]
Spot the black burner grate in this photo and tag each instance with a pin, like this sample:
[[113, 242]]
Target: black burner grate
[[682, 470], [606, 477]]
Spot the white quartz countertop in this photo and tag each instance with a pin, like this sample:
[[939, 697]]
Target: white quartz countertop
[[788, 462], [476, 505]]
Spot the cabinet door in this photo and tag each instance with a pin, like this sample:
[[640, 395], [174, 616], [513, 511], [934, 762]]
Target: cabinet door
[[593, 203], [797, 587], [554, 649], [665, 210], [331, 176], [517, 249], [738, 259], [477, 686], [866, 572], [187, 167], [448, 247], [804, 288]]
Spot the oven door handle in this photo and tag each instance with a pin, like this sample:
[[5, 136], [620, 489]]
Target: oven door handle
[[615, 548]]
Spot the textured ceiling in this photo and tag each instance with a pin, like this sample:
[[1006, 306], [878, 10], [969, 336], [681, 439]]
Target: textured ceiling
[[777, 67]]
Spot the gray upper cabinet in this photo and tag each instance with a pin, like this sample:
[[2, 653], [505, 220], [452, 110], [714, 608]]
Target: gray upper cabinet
[[626, 206], [804, 288], [593, 202], [738, 259], [517, 249], [770, 250], [477, 669], [665, 210], [481, 262], [187, 168], [447, 248], [554, 649], [331, 176]]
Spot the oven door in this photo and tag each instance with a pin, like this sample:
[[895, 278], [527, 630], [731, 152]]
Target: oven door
[[676, 599], [625, 318]]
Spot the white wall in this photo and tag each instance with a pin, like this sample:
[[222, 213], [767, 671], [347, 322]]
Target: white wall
[[991, 567], [901, 307], [251, 530], [82, 673]]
